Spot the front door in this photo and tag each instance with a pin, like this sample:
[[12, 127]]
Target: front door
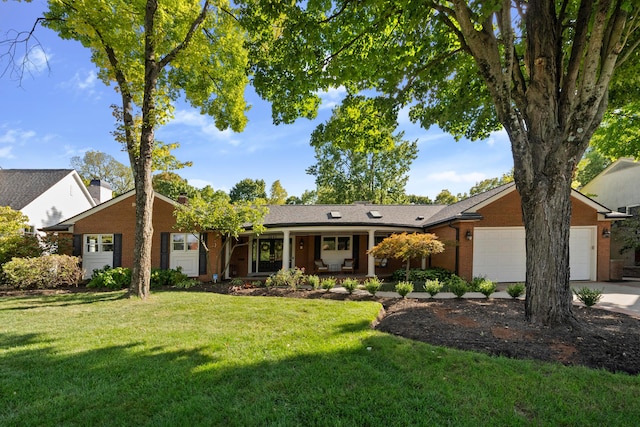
[[269, 255]]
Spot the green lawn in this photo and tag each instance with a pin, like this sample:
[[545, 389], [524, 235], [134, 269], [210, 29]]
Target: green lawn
[[188, 359]]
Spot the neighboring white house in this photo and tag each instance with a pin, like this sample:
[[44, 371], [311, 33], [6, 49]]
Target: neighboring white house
[[46, 196], [617, 188]]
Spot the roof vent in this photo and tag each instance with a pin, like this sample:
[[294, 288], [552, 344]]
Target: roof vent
[[375, 214], [335, 214], [419, 218]]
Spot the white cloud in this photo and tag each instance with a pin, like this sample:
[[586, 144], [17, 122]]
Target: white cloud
[[88, 83], [199, 183], [204, 125], [332, 97], [498, 137], [16, 136], [36, 60], [5, 153]]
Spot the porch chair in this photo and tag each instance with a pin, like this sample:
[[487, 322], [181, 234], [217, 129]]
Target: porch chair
[[347, 265], [320, 266]]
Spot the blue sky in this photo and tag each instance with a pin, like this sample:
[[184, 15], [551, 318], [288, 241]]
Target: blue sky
[[64, 110]]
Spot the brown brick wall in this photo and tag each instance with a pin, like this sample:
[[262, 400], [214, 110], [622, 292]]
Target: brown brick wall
[[121, 218]]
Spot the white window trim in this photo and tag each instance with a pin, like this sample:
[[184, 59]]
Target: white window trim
[[98, 243]]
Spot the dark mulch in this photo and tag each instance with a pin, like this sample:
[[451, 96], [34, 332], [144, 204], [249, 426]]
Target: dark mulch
[[606, 340]]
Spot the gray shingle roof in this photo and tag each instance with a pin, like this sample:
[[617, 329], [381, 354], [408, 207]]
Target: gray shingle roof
[[19, 187]]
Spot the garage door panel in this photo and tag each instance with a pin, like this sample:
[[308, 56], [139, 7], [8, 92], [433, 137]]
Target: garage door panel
[[500, 253]]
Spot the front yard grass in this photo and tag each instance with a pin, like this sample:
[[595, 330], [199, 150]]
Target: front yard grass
[[186, 358]]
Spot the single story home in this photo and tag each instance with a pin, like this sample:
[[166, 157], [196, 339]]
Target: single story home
[[483, 236]]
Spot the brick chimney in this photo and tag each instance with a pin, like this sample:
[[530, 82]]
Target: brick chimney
[[183, 199]]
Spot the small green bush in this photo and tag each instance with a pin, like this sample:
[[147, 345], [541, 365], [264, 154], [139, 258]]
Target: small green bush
[[458, 286], [474, 285], [372, 285], [161, 278], [328, 283], [432, 287], [515, 290], [292, 278], [257, 284], [486, 287], [187, 284], [50, 271], [350, 284], [404, 288], [236, 282], [588, 296], [420, 275], [112, 278], [313, 281]]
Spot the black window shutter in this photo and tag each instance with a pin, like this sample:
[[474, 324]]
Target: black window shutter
[[355, 251], [164, 251], [316, 247], [77, 245], [202, 256], [117, 250]]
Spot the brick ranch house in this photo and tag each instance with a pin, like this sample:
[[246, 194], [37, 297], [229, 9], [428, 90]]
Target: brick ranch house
[[483, 236]]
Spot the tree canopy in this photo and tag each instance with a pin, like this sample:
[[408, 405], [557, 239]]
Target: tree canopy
[[359, 157], [248, 190], [103, 166], [541, 69], [154, 52]]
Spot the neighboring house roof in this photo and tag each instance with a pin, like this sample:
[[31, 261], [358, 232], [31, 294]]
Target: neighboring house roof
[[19, 187], [69, 222]]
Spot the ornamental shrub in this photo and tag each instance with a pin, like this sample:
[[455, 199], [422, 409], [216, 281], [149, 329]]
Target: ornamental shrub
[[350, 284], [420, 275], [372, 285], [432, 287], [515, 290], [588, 296], [112, 278], [457, 285], [292, 278], [45, 272], [486, 287], [328, 283], [161, 278], [404, 288], [313, 281]]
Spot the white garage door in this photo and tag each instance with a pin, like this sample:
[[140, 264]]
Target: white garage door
[[499, 253]]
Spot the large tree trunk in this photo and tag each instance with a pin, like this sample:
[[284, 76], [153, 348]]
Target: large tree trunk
[[546, 208], [141, 272]]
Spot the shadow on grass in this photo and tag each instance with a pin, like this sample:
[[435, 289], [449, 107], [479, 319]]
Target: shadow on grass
[[382, 381], [62, 300]]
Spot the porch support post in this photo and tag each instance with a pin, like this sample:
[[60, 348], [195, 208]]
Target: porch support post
[[286, 251], [371, 261], [227, 255], [423, 265]]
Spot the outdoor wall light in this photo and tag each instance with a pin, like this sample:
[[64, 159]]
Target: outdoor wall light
[[469, 236], [301, 244], [606, 233]]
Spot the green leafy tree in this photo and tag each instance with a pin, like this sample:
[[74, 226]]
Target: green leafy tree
[[445, 197], [591, 164], [540, 69], [277, 194], [164, 160], [13, 241], [419, 200], [308, 197], [103, 166], [172, 185], [248, 190], [152, 52], [217, 213], [491, 183], [406, 247], [358, 156]]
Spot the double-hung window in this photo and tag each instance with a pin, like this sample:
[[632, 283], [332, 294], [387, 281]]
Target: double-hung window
[[95, 243]]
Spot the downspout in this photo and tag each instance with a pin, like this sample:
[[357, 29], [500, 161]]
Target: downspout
[[457, 246]]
